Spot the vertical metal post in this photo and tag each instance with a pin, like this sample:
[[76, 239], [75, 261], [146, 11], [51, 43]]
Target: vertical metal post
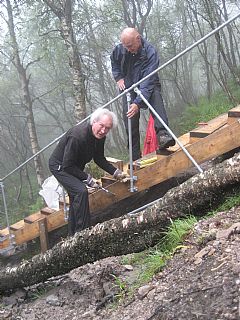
[[169, 130], [65, 208], [132, 178], [11, 236]]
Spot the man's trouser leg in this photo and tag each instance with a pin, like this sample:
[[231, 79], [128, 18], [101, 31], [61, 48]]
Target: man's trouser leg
[[136, 151], [157, 103], [79, 214]]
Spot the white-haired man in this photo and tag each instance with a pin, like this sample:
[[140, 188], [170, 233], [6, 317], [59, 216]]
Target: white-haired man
[[78, 146]]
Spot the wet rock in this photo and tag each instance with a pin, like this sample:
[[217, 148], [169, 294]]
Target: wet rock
[[144, 290]]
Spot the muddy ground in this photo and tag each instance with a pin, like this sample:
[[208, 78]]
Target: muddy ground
[[201, 281]]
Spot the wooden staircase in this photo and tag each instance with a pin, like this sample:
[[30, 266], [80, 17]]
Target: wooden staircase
[[207, 141]]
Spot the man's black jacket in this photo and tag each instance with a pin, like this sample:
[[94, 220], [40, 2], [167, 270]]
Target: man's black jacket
[[78, 147]]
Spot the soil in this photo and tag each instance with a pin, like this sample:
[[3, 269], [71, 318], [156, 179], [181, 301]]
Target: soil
[[201, 281]]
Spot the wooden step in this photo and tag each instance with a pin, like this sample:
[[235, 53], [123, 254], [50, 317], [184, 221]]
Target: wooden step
[[4, 232], [47, 211], [18, 225], [233, 114], [209, 127], [34, 217]]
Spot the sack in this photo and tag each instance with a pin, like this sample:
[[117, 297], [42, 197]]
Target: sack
[[51, 192]]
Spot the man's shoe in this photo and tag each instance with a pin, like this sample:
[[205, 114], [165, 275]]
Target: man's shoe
[[165, 141]]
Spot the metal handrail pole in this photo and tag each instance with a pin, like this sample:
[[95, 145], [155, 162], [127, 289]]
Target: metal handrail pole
[[132, 188], [168, 129], [11, 236]]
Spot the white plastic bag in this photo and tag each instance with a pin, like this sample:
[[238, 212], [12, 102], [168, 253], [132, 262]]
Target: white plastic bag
[[51, 192]]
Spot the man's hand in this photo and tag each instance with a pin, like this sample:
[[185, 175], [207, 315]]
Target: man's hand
[[134, 109], [91, 182], [121, 84], [119, 175]]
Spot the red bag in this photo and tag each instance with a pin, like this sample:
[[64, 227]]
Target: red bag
[[150, 142]]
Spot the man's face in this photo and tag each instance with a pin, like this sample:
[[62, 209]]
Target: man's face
[[131, 43], [101, 127]]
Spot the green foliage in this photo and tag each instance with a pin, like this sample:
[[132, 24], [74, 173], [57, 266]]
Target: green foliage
[[37, 205], [122, 286], [94, 170], [176, 233], [206, 109], [38, 293]]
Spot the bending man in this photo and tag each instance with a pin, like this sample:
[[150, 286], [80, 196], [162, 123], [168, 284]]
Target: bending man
[[78, 146], [133, 59]]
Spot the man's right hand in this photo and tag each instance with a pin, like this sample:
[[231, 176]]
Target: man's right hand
[[121, 84], [91, 182]]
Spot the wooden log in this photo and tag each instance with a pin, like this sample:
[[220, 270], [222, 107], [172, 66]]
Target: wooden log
[[126, 234]]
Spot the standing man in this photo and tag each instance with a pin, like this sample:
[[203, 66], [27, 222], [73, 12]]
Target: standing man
[[77, 147], [133, 59]]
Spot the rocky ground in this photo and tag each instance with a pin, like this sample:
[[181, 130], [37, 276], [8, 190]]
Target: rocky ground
[[201, 281]]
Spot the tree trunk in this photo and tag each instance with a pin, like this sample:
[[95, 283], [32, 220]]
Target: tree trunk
[[26, 97], [63, 10], [126, 234]]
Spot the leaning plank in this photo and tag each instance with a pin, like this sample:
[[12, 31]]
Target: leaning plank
[[126, 234], [211, 126]]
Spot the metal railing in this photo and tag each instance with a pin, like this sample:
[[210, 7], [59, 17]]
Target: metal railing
[[125, 92]]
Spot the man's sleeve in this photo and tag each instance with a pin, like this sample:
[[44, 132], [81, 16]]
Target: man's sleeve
[[116, 58]]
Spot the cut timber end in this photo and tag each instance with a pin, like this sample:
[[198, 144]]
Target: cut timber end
[[33, 217], [46, 211], [233, 115], [17, 226]]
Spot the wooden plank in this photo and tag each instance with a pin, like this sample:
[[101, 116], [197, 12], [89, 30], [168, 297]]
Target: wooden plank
[[43, 234], [46, 211], [18, 225], [208, 128], [234, 114], [33, 217]]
